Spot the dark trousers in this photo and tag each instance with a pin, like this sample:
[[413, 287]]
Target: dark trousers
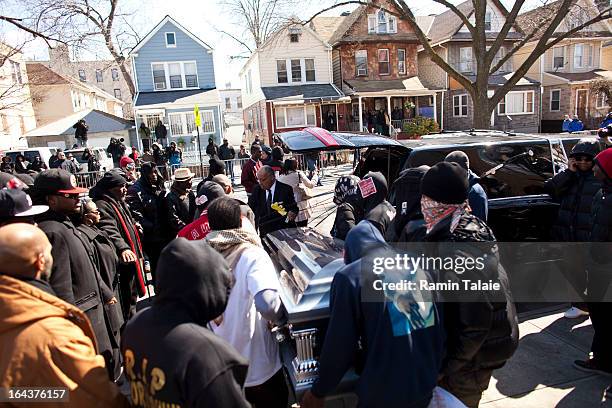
[[271, 394], [468, 386], [601, 347], [128, 294], [301, 223]]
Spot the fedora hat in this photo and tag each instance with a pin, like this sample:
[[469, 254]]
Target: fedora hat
[[182, 174]]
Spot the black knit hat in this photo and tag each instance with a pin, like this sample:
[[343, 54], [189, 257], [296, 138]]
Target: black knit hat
[[446, 182]]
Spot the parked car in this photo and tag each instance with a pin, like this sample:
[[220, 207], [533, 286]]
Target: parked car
[[105, 159], [44, 153], [513, 168]]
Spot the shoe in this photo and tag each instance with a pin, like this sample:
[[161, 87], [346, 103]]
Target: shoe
[[574, 313], [590, 366], [608, 393]]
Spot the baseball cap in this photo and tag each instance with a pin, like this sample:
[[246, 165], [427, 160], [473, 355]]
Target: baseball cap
[[57, 181], [16, 203]]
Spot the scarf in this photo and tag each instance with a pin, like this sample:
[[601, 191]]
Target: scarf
[[434, 212], [224, 241]]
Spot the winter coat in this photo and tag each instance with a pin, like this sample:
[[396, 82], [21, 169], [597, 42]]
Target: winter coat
[[74, 276], [346, 219], [405, 196], [69, 166], [298, 181], [477, 197], [576, 125], [212, 149], [199, 369], [574, 191], [400, 357], [145, 204], [249, 175], [599, 262], [37, 166], [606, 122], [48, 342], [180, 211], [483, 334], [80, 131], [565, 127], [161, 132], [226, 152]]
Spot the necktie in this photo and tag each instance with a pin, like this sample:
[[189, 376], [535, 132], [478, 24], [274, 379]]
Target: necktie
[[269, 201]]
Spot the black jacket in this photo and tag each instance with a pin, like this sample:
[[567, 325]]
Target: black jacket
[[69, 166], [575, 192], [599, 262], [180, 211], [346, 218], [267, 219], [199, 369], [74, 276], [160, 131], [80, 130], [212, 149], [480, 334], [226, 152], [145, 204]]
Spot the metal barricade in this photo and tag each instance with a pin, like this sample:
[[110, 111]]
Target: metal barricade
[[88, 179]]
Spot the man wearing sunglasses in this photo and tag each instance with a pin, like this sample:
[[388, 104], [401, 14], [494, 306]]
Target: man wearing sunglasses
[[575, 189], [74, 276]]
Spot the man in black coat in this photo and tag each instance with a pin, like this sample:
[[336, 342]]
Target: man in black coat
[[145, 201], [80, 132], [212, 149], [272, 202], [575, 189], [227, 152], [116, 221], [74, 277], [179, 202], [169, 352]]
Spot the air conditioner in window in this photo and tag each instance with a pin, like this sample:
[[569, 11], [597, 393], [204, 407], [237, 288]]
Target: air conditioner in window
[[160, 86]]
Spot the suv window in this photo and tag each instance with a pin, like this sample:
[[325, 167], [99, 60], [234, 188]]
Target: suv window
[[521, 173]]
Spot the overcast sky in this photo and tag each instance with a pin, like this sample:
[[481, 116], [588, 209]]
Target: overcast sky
[[203, 17]]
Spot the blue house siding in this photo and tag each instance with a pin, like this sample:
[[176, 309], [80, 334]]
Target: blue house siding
[[187, 49]]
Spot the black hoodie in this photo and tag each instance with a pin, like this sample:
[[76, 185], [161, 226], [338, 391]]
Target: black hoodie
[[169, 353], [376, 207]]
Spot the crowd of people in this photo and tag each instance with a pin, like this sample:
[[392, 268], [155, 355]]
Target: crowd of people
[[75, 263]]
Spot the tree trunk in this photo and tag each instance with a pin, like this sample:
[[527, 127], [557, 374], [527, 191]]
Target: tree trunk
[[128, 79], [482, 113]]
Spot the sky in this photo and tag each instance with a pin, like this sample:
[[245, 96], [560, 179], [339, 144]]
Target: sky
[[205, 18]]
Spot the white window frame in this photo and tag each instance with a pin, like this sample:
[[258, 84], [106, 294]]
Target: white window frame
[[314, 69], [562, 48], [167, 75], [290, 70], [208, 121], [166, 39], [305, 123], [469, 63], [582, 50], [600, 98], [286, 72], [115, 93], [362, 53], [302, 71], [489, 15], [390, 20], [99, 76], [228, 103], [249, 81], [84, 77], [388, 61], [551, 100], [239, 102], [460, 105], [401, 62], [587, 99], [525, 111], [16, 73], [115, 74]]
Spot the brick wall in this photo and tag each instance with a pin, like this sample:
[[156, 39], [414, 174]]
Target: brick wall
[[566, 105], [347, 55]]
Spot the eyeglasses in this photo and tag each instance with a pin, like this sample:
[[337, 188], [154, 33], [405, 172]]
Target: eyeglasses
[[130, 167]]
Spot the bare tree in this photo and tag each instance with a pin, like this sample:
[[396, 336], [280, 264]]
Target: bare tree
[[90, 24], [259, 18], [542, 28]]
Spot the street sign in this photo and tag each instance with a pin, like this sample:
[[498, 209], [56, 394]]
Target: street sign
[[196, 114]]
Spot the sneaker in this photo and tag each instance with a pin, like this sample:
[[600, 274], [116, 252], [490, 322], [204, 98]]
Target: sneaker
[[574, 313], [590, 366], [608, 393]]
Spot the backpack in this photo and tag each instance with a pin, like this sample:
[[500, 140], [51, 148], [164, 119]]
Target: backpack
[[405, 197]]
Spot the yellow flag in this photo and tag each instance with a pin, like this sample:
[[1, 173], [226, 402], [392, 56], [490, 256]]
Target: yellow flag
[[196, 114]]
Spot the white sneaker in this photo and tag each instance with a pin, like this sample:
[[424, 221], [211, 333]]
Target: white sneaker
[[574, 313]]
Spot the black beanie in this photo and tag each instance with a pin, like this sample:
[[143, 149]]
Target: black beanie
[[446, 182], [216, 166], [111, 179]]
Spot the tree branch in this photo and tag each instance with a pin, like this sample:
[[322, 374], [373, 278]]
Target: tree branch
[[17, 23]]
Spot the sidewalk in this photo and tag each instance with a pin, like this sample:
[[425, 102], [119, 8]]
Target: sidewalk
[[540, 374]]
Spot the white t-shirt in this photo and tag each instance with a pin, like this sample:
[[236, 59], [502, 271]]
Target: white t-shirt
[[243, 327]]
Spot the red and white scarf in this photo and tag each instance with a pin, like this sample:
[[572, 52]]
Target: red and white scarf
[[434, 212]]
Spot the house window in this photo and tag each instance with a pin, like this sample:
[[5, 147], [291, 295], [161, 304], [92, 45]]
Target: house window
[[115, 74], [589, 55], [99, 77], [310, 70], [579, 56], [555, 100], [159, 77], [372, 24], [460, 106], [183, 123], [170, 40], [487, 23], [191, 75], [516, 103], [382, 23], [401, 61], [392, 24], [465, 59], [117, 93], [602, 101], [239, 102], [383, 62], [82, 75], [294, 38], [208, 121], [16, 73], [179, 75], [361, 62], [501, 53], [228, 103], [298, 116], [558, 57], [281, 71], [296, 70], [249, 82]]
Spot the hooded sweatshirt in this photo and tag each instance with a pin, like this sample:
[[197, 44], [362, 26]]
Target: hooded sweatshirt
[[399, 360], [376, 207], [186, 364]]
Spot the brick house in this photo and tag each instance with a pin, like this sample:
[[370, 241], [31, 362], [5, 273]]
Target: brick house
[[287, 85], [451, 40], [374, 61], [568, 69]]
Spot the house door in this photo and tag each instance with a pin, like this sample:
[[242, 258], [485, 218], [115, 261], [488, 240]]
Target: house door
[[581, 103], [329, 117]]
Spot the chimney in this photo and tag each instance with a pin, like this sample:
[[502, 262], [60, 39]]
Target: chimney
[[59, 59]]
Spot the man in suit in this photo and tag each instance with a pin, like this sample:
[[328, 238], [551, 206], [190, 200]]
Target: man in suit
[[270, 200]]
